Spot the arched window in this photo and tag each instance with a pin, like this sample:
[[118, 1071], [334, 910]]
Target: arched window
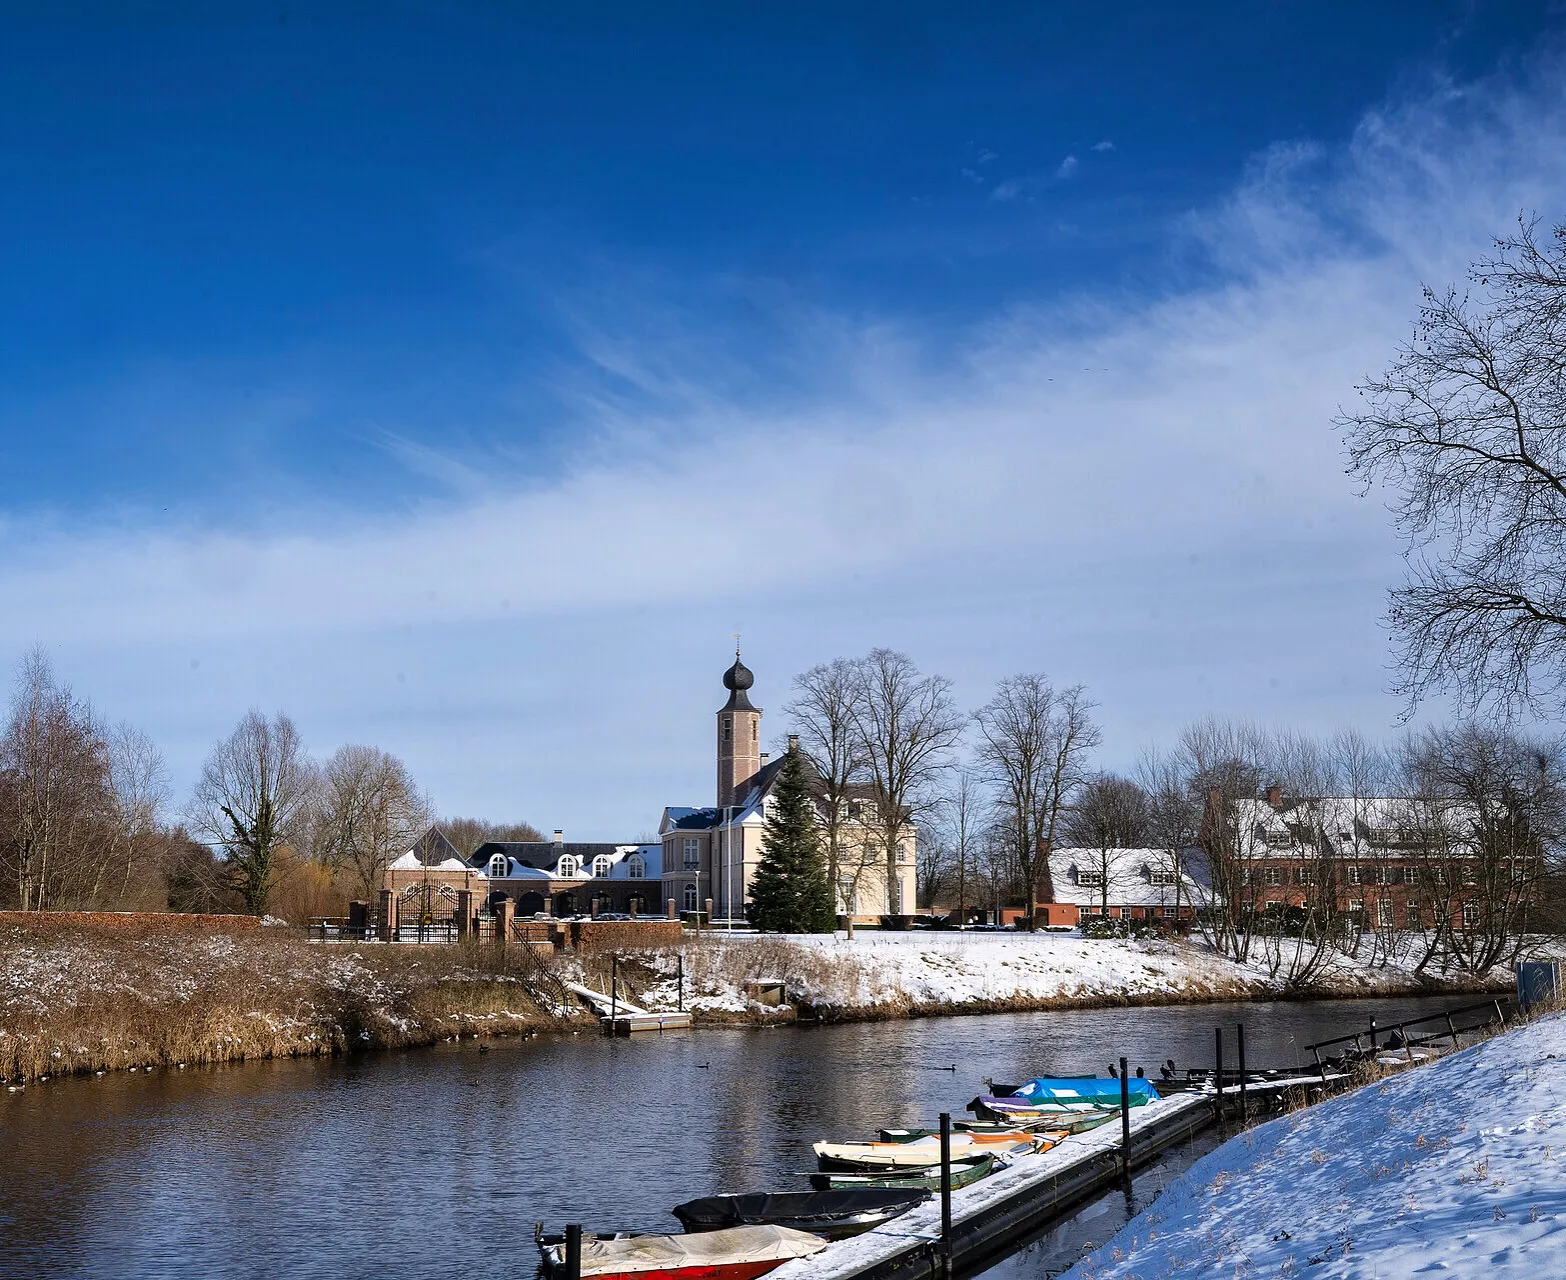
[[636, 867], [569, 866], [601, 864], [499, 865], [690, 897]]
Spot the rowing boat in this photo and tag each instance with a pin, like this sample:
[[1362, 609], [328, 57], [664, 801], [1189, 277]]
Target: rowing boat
[[835, 1213], [964, 1173], [870, 1157], [738, 1253]]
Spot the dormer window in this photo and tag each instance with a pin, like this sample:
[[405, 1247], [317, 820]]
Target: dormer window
[[499, 866], [601, 864], [636, 867], [570, 868]]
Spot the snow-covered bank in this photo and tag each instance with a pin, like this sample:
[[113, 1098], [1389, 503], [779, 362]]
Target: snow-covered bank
[[1453, 1168], [901, 974]]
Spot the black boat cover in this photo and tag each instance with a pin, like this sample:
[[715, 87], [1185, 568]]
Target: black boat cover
[[711, 1213]]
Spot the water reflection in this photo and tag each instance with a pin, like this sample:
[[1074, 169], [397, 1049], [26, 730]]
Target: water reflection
[[429, 1162]]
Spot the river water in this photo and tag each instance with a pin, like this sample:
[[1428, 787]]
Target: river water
[[438, 1162]]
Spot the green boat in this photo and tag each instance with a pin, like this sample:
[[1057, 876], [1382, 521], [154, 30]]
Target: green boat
[[964, 1173], [976, 1127]]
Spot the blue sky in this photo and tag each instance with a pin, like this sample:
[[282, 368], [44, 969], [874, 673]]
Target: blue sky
[[457, 378]]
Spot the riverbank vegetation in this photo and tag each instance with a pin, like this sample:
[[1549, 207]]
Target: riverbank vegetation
[[81, 998]]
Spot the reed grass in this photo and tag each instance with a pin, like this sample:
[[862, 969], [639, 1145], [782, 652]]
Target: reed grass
[[83, 1000]]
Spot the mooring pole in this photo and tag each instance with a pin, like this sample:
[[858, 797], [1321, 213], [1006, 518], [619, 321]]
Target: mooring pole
[[1125, 1122], [1372, 1036], [614, 992], [1239, 1035], [1218, 1067], [946, 1195], [1452, 1031], [573, 1252], [681, 1004]]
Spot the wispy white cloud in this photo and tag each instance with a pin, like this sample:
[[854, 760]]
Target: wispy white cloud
[[1105, 145], [1067, 167], [1146, 496]]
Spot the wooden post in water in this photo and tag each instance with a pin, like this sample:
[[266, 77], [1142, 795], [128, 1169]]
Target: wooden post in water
[[1125, 1122], [1218, 1067], [946, 1195], [1453, 1030], [1239, 1035], [614, 991], [680, 1005], [1373, 1037], [573, 1252]]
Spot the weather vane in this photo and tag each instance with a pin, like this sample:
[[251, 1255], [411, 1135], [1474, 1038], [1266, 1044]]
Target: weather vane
[[736, 636]]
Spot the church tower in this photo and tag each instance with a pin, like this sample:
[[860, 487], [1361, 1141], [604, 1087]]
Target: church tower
[[739, 735]]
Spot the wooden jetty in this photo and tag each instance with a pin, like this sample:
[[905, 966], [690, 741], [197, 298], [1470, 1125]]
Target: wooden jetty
[[1031, 1191], [618, 1017]]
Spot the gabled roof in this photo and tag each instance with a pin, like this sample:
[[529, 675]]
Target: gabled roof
[[433, 848]]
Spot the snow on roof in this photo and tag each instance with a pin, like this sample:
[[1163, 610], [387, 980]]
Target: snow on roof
[[1080, 877]]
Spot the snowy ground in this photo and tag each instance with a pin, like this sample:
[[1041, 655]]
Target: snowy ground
[[895, 973], [1454, 1168]]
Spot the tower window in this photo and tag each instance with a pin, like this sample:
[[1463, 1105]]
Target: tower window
[[728, 729], [755, 732]]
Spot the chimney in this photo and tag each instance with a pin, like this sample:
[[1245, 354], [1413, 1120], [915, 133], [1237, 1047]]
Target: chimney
[[1274, 795], [793, 744], [559, 837], [765, 756]]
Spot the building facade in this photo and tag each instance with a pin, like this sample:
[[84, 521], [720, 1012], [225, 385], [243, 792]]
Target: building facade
[[710, 854]]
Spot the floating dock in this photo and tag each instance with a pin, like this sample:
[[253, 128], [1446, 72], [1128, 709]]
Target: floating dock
[[619, 1017], [1029, 1193]]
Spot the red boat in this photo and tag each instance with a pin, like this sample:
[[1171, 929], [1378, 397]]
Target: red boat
[[735, 1253]]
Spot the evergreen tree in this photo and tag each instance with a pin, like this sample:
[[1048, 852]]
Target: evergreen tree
[[789, 892]]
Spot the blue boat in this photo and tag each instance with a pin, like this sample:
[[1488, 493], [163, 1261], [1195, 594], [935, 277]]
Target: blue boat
[[1072, 1091]]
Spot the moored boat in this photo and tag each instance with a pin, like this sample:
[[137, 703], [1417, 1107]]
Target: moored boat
[[832, 1213], [870, 1157], [737, 1253], [964, 1173]]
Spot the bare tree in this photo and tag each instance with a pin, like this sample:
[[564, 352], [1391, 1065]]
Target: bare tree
[[907, 725], [1173, 814], [1035, 742], [467, 834], [139, 777], [57, 801], [962, 808], [1465, 427], [1223, 763], [370, 811], [1487, 815], [1110, 813], [253, 798], [825, 714]]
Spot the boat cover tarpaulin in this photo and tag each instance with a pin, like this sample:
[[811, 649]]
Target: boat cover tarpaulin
[[1101, 1093], [708, 1249], [726, 1211]]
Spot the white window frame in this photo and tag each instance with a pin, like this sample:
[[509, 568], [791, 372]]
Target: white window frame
[[499, 866], [691, 851], [602, 864], [690, 898], [636, 867], [570, 866], [1384, 916]]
